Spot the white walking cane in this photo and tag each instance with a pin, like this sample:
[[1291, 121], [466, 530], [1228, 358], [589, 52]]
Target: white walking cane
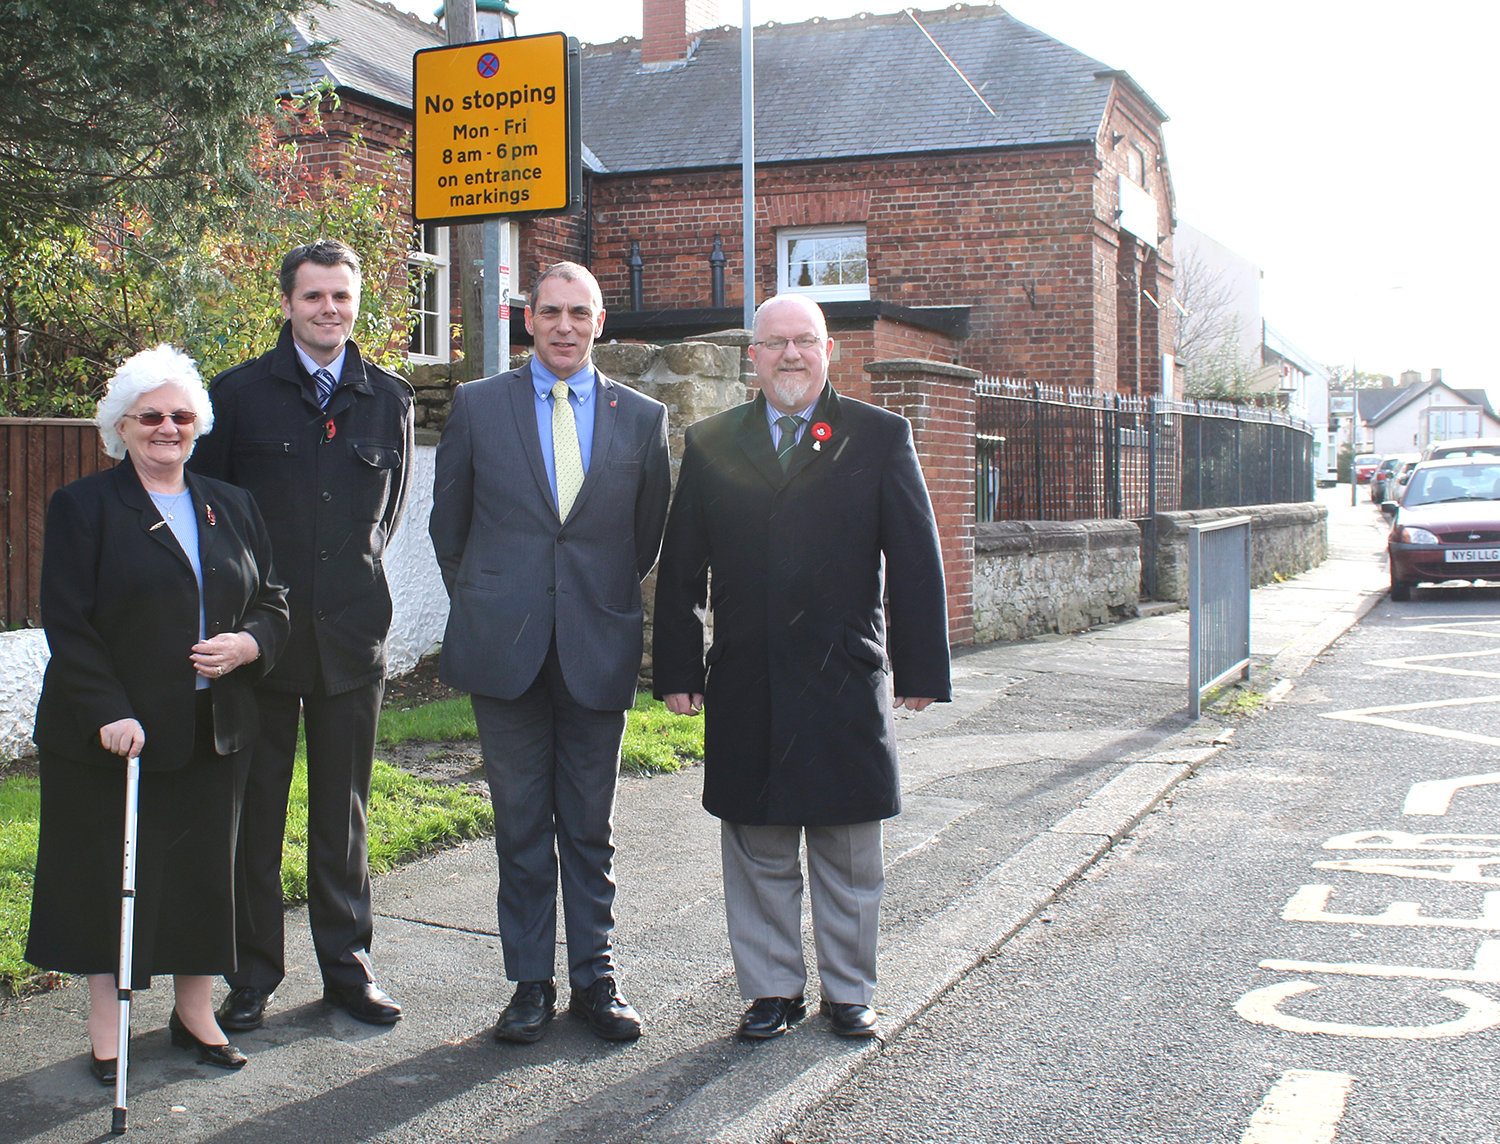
[[127, 937]]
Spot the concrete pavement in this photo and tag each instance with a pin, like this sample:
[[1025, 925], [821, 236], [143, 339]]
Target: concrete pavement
[[1050, 752]]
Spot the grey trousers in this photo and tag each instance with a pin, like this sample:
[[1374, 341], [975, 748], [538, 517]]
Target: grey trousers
[[552, 767], [763, 905]]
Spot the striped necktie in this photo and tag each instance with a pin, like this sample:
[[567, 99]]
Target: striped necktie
[[326, 386], [567, 461], [788, 426]]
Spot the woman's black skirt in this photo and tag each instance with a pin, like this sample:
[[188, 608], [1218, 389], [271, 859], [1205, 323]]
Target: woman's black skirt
[[184, 904]]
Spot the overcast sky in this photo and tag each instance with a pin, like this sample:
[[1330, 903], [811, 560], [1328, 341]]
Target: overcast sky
[[1344, 147]]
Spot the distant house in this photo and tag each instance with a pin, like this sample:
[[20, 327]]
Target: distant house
[[1023, 231], [1409, 416], [1300, 386]]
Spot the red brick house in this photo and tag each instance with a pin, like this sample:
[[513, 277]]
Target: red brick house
[[1022, 231]]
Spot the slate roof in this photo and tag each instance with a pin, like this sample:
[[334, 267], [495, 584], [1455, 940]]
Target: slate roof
[[1377, 405], [373, 49], [838, 89]]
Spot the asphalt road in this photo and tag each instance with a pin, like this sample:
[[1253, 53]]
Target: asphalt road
[[1240, 970]]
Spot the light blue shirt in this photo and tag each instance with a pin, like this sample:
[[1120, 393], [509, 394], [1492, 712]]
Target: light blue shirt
[[773, 415], [184, 525], [581, 389], [335, 367]]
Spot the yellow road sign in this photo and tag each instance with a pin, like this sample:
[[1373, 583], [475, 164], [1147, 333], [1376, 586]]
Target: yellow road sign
[[496, 129]]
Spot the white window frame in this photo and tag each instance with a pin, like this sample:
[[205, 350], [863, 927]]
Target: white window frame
[[840, 292], [431, 266]]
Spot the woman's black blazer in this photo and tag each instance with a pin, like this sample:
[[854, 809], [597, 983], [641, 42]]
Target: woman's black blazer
[[120, 608]]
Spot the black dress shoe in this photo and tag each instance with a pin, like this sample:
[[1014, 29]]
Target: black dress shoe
[[104, 1072], [771, 1016], [609, 1015], [244, 1008], [220, 1056], [849, 1020], [525, 1019], [367, 1002]]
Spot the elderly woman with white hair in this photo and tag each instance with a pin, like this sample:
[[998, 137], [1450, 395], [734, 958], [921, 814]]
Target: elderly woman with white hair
[[161, 609]]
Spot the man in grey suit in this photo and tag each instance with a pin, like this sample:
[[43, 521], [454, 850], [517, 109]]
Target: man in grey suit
[[548, 509]]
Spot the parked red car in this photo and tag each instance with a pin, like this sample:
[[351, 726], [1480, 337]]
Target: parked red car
[[1446, 525], [1364, 467]]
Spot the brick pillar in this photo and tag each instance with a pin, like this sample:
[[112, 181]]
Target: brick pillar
[[938, 400]]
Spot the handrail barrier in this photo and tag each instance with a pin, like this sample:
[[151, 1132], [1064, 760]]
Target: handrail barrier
[[1218, 605]]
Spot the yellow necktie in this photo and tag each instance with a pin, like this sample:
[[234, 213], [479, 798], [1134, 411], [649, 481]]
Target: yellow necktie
[[566, 459]]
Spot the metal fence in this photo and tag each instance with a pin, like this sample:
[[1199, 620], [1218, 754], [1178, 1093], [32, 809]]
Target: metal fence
[[1047, 453]]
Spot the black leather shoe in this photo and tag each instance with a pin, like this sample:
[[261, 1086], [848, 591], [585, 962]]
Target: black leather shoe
[[525, 1019], [849, 1020], [104, 1072], [220, 1056], [244, 1008], [368, 1002], [609, 1015], [771, 1016]]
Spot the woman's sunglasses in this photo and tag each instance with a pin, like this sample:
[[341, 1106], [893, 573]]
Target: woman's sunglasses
[[152, 419]]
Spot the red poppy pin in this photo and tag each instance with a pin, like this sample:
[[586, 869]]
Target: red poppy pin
[[329, 430], [209, 510], [821, 432]]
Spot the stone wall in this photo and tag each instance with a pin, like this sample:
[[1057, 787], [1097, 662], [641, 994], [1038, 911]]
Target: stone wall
[[1038, 576], [693, 380], [1284, 539]]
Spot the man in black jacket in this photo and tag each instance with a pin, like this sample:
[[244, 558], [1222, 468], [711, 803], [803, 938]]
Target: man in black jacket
[[324, 441], [807, 511]]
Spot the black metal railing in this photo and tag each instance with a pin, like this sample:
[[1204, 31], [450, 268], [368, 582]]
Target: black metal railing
[[1047, 453]]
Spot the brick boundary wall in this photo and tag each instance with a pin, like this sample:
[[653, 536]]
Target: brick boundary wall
[[938, 400]]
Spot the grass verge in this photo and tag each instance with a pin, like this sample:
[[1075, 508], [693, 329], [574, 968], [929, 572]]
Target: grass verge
[[408, 816], [656, 741]]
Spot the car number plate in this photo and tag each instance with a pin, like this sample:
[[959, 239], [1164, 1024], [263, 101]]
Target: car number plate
[[1471, 555]]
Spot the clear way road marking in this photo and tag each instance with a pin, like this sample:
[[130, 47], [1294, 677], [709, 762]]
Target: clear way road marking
[[1433, 796], [1376, 717], [1486, 969], [1304, 1106], [1260, 1007], [1310, 904]]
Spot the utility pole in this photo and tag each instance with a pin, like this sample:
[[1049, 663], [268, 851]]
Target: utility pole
[[747, 156]]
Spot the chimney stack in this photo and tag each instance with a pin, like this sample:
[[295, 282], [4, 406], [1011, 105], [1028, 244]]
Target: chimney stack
[[670, 26], [1437, 375]]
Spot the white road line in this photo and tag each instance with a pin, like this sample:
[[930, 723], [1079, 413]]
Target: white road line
[[1486, 969], [1310, 904], [1304, 1106], [1375, 717], [1434, 795], [1260, 1006]]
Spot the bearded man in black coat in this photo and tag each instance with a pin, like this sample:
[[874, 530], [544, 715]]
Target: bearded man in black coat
[[805, 511]]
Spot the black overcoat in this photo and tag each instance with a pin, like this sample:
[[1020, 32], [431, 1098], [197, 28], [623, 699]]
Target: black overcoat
[[332, 484], [798, 680], [120, 608]]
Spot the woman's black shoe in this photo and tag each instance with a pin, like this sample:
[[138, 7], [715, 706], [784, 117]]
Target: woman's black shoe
[[104, 1072], [220, 1056]]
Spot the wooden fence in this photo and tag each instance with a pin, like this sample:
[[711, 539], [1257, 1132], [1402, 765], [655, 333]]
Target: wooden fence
[[38, 455]]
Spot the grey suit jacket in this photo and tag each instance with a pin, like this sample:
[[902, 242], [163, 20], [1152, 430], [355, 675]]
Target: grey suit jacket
[[515, 573]]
